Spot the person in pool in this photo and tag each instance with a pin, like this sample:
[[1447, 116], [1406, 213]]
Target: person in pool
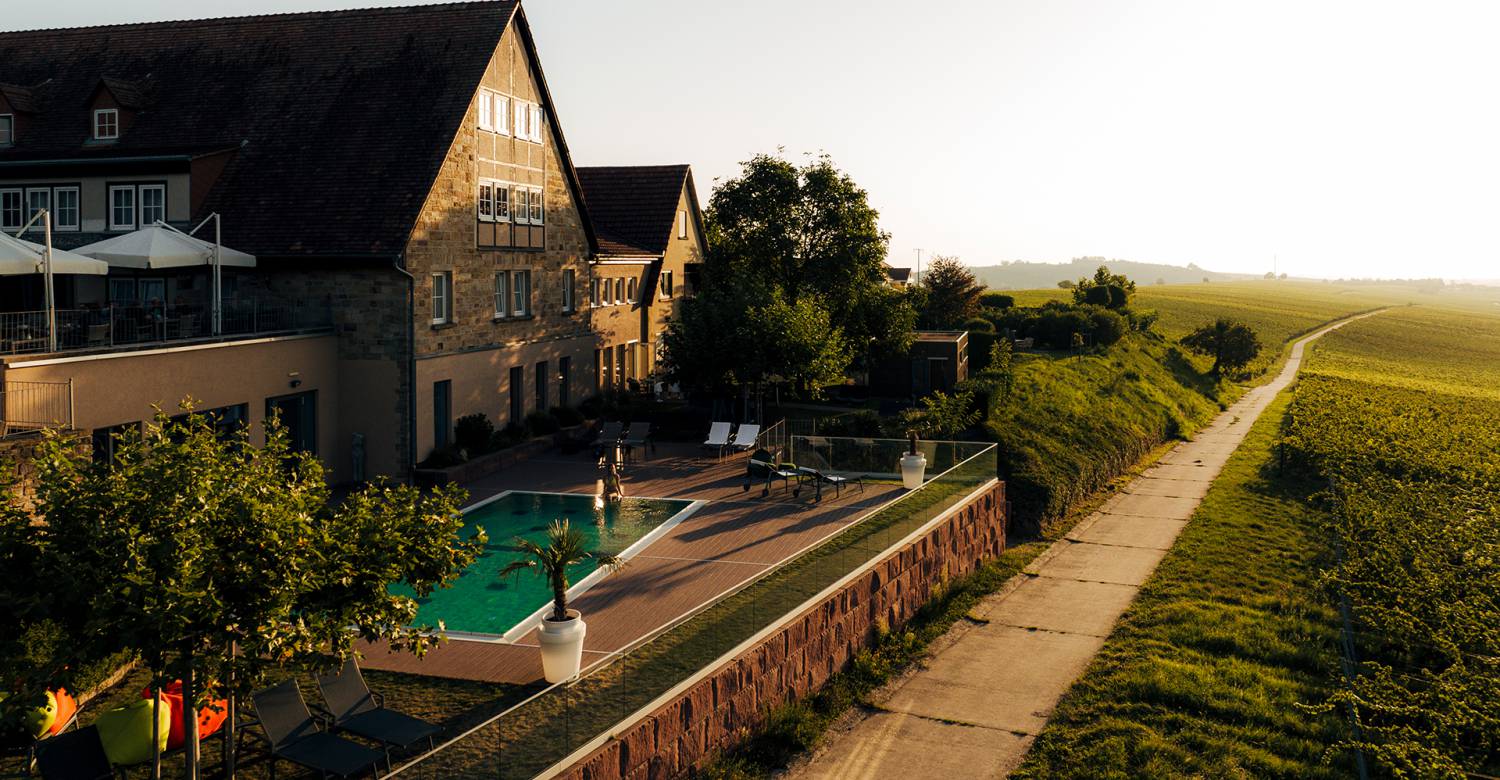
[[613, 492]]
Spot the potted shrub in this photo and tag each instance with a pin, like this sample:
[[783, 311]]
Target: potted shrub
[[562, 631], [913, 464]]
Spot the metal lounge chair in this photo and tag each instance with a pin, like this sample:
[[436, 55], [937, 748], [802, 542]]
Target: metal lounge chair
[[821, 478], [74, 755], [639, 435], [295, 736], [718, 436], [356, 709], [609, 435], [744, 438], [763, 465]]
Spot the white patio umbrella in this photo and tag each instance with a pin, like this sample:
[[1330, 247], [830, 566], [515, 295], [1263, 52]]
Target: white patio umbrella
[[16, 255], [19, 257], [163, 246]]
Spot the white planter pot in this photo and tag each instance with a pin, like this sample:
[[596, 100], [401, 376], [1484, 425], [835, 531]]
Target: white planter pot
[[913, 469], [562, 646]]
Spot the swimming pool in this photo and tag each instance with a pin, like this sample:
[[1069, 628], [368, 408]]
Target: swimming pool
[[481, 603]]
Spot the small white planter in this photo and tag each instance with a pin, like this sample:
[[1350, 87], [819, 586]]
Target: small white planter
[[913, 470], [562, 646]]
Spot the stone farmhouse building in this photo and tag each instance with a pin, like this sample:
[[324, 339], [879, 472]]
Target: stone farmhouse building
[[424, 246]]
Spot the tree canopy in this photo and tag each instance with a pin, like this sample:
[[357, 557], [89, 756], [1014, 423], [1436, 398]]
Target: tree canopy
[[794, 282], [1231, 344], [213, 560], [1105, 289], [952, 294]]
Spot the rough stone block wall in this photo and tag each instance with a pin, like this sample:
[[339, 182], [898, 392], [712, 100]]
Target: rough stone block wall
[[716, 713], [18, 464]]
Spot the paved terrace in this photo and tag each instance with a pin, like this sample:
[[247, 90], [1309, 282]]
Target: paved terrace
[[732, 539]]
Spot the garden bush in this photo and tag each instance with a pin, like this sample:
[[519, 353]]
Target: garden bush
[[567, 417], [997, 300], [473, 433], [541, 424]]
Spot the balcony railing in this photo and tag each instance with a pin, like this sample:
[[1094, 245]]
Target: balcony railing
[[32, 406], [25, 332]]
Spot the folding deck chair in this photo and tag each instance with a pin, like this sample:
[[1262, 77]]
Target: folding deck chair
[[356, 709], [295, 736]]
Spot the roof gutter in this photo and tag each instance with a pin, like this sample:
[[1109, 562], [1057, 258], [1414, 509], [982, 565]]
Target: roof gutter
[[66, 161]]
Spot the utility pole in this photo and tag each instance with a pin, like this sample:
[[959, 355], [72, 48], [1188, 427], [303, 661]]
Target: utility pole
[[919, 267]]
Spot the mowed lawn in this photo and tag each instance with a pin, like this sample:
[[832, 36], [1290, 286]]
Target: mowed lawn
[[1208, 672]]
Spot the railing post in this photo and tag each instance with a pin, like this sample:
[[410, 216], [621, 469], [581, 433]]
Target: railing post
[[70, 403]]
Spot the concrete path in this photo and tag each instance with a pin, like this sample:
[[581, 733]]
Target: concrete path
[[974, 708]]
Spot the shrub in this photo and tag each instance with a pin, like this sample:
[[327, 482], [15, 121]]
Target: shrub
[[997, 300], [590, 407], [864, 423], [1108, 327], [980, 344], [979, 324], [510, 436], [443, 457], [566, 416], [541, 424], [473, 432]]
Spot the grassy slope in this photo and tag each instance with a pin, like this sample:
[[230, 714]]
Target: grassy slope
[[1205, 672], [1073, 423]]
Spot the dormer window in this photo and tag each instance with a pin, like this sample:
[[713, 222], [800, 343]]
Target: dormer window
[[106, 124], [7, 129]]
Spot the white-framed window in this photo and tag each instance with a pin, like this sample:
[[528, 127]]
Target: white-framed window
[[502, 202], [521, 117], [501, 113], [502, 288], [620, 290], [594, 294], [666, 284], [536, 206], [442, 297], [37, 199], [534, 127], [65, 208], [106, 124], [569, 275], [7, 129], [520, 282], [522, 209], [11, 209], [122, 202], [486, 200], [630, 288], [153, 199], [486, 110], [682, 224]]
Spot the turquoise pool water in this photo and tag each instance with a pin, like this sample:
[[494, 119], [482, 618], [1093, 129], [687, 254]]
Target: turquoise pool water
[[480, 602]]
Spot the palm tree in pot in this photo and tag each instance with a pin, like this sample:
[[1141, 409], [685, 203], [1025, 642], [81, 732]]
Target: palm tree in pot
[[562, 630]]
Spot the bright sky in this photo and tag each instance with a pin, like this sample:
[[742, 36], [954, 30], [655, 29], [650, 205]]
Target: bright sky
[[1347, 138]]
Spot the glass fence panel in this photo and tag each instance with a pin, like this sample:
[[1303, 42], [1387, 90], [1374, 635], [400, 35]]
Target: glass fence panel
[[546, 729]]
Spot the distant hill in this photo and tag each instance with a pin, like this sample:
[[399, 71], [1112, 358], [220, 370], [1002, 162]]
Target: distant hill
[[1022, 275]]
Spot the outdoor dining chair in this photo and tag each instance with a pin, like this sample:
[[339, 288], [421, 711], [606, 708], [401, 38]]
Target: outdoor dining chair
[[609, 435], [74, 755], [358, 710], [295, 736]]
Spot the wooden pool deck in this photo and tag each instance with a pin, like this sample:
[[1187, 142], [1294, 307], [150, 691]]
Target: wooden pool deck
[[737, 535]]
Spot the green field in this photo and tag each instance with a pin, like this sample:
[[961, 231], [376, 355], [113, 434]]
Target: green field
[[1227, 664]]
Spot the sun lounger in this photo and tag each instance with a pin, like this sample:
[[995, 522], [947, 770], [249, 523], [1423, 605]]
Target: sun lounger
[[356, 709], [74, 755], [821, 478], [718, 437], [639, 435], [744, 438], [295, 736], [763, 466], [609, 436]]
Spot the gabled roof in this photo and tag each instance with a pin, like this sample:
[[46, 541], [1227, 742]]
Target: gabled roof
[[633, 207], [129, 94], [341, 120], [899, 274], [19, 98]]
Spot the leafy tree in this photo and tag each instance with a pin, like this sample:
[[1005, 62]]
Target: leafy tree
[[1104, 289], [1002, 363], [217, 561], [806, 231], [1067, 284], [952, 294], [1232, 344], [942, 415], [996, 300]]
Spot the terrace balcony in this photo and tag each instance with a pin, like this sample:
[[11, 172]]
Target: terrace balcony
[[142, 326]]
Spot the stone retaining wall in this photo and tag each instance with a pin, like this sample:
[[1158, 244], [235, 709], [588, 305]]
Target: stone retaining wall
[[720, 709]]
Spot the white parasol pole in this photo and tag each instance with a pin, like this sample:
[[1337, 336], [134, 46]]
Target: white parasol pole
[[218, 288], [47, 281]]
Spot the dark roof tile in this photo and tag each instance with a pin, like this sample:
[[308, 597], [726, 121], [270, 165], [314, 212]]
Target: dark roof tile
[[633, 207]]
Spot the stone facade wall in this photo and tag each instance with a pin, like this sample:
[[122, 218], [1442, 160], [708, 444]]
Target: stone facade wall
[[717, 712], [18, 465]]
